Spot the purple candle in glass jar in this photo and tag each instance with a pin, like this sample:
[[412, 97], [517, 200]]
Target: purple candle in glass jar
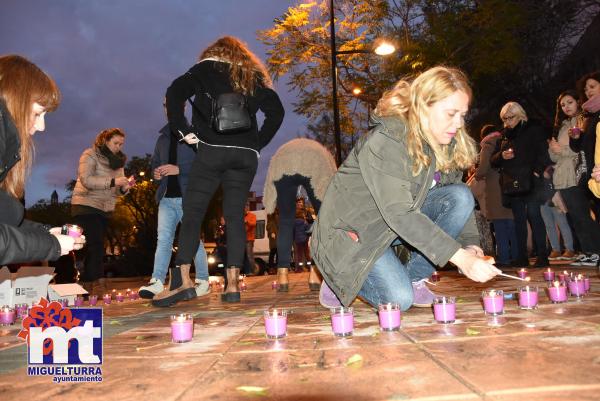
[[7, 315], [93, 300], [107, 299], [275, 323], [557, 292], [576, 287], [78, 301], [435, 276], [493, 302], [389, 317], [342, 321], [119, 297], [522, 273], [444, 309], [182, 328], [586, 284], [549, 275], [528, 297]]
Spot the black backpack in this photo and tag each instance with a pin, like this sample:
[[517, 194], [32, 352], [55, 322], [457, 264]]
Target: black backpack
[[230, 114]]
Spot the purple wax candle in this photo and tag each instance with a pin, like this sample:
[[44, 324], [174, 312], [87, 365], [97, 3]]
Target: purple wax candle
[[493, 302], [563, 276], [72, 230], [576, 288], [389, 317], [275, 323], [444, 309], [586, 284], [7, 316], [342, 321], [182, 328], [93, 300], [78, 301], [119, 297], [522, 273], [107, 299], [557, 292], [549, 275], [22, 310], [528, 297], [274, 285], [243, 286], [63, 302], [435, 276]]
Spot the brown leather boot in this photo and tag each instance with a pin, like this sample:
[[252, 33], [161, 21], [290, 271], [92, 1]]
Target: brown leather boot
[[282, 279], [181, 287], [232, 291], [314, 281]]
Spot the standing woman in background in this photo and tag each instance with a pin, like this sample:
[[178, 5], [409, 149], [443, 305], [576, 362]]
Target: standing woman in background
[[227, 159], [26, 94], [100, 180]]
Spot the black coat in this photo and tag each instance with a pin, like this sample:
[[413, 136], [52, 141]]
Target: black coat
[[212, 77], [587, 143], [20, 240], [528, 141]]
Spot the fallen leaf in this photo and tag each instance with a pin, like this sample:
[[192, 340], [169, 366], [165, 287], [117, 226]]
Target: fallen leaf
[[472, 332], [251, 312], [355, 361], [253, 390], [116, 322], [140, 337], [461, 301]]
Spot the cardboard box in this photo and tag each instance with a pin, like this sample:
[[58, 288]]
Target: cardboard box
[[26, 286], [65, 291]]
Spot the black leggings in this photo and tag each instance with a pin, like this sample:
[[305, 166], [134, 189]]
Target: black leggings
[[578, 206], [234, 169], [94, 227]]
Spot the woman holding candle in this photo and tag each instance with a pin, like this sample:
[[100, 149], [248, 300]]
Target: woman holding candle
[[401, 184], [26, 94], [100, 181]]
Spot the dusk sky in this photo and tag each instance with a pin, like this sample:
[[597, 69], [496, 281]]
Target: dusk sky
[[114, 59]]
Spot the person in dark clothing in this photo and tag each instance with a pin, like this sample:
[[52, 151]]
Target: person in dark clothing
[[522, 153], [26, 95], [583, 142], [229, 160]]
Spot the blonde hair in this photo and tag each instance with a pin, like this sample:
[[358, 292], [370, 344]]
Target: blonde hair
[[516, 109], [411, 102], [22, 84], [245, 66]]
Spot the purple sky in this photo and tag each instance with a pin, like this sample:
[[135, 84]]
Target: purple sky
[[114, 59]]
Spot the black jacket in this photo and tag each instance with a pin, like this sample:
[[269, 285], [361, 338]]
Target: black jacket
[[528, 141], [587, 143], [212, 77], [20, 240]]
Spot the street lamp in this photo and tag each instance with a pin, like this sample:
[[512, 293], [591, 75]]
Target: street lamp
[[382, 48]]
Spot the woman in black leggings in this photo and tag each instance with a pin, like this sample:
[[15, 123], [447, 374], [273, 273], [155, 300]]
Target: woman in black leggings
[[228, 159]]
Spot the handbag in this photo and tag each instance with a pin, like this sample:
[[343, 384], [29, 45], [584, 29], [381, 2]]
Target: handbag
[[513, 185], [230, 114]]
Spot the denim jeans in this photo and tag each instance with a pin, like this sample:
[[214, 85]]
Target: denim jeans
[[449, 207], [287, 188], [170, 212], [506, 240], [552, 216]]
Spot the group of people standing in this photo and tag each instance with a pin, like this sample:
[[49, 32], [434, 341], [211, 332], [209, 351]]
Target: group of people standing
[[400, 186], [538, 178]]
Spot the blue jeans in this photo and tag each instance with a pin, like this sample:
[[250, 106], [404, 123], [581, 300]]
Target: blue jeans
[[449, 207], [553, 216], [506, 240], [170, 212]]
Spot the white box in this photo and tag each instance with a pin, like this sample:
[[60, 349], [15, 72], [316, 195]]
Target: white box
[[65, 291], [26, 286]]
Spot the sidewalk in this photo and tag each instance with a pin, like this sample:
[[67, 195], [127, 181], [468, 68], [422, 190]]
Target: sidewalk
[[549, 354]]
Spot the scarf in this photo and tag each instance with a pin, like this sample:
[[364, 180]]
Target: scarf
[[115, 160]]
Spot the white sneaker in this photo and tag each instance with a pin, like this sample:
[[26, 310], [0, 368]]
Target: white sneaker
[[154, 287], [591, 259], [202, 287]]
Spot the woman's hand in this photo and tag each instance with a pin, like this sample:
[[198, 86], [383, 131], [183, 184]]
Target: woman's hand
[[121, 181], [474, 267], [554, 146], [596, 173], [475, 250], [167, 169], [68, 243], [508, 154]]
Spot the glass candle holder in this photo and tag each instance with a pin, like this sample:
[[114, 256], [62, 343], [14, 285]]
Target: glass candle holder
[[275, 323], [274, 285], [528, 297], [64, 302], [22, 310], [549, 274], [342, 321], [586, 284], [557, 292], [389, 317], [72, 230], [522, 273], [493, 302], [119, 297], [107, 299], [444, 309], [78, 301], [562, 277], [182, 328], [243, 286], [133, 295], [7, 315], [576, 287], [435, 276], [93, 300]]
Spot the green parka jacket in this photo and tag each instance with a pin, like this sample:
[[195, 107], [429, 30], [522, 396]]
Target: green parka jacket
[[375, 197]]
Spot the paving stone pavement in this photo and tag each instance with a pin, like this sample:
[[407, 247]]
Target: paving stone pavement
[[551, 353]]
